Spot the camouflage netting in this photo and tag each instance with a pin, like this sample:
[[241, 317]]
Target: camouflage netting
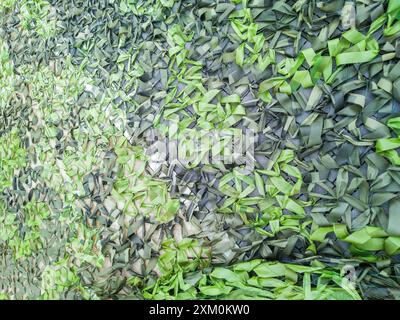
[[86, 212]]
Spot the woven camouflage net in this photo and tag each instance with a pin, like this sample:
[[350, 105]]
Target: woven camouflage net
[[93, 95]]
